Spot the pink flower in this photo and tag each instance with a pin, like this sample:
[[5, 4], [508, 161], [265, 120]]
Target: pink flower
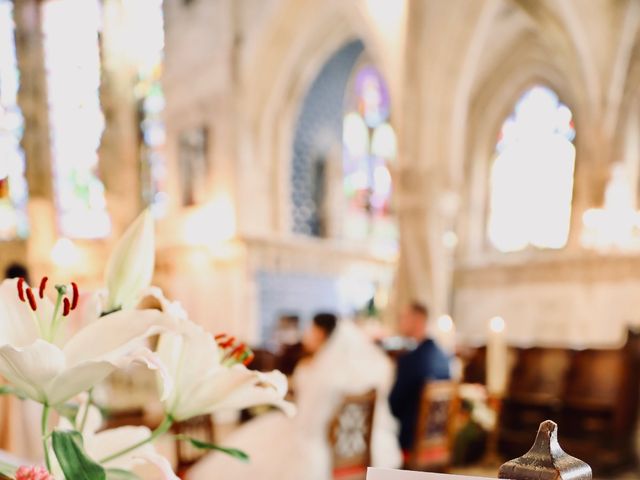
[[33, 473]]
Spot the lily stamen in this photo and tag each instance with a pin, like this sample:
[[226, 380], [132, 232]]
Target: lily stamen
[[235, 353], [76, 296], [66, 306], [248, 359], [43, 285], [32, 299], [21, 289]]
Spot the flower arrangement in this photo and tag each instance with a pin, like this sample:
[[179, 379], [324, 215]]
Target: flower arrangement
[[57, 344]]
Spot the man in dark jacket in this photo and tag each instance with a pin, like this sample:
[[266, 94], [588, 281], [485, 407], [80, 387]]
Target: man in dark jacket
[[426, 363]]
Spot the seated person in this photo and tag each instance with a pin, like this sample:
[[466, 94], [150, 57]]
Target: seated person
[[342, 361], [426, 363], [290, 348]]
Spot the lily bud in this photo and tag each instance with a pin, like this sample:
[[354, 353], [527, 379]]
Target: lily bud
[[130, 266]]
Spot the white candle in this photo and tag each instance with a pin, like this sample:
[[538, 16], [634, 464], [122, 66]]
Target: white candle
[[496, 357]]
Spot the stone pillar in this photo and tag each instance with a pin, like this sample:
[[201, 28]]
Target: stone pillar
[[32, 98], [594, 158], [119, 150]]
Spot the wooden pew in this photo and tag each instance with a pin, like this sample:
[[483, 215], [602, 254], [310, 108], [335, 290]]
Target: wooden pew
[[600, 405], [533, 395], [594, 394]]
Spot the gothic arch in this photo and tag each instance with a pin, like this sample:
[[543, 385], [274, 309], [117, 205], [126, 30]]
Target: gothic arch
[[276, 78], [493, 102]]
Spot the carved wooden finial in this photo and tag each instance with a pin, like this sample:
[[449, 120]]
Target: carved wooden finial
[[546, 460]]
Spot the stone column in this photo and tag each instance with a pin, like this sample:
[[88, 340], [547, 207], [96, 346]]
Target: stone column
[[32, 98], [119, 150]]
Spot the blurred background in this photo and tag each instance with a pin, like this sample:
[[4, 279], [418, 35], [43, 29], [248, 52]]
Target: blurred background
[[481, 157]]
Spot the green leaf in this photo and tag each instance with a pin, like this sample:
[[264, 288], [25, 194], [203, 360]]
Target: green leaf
[[233, 452], [68, 411], [75, 463], [119, 474]]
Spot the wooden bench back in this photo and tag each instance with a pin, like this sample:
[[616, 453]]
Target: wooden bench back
[[432, 449], [350, 436]]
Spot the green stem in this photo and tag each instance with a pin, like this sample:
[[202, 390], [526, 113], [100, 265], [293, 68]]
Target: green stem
[[163, 428], [45, 435], [54, 322], [85, 414]]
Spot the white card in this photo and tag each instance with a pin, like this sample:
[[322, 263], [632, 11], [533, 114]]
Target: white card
[[384, 474]]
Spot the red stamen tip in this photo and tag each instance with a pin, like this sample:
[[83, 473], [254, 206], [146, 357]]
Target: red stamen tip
[[32, 299], [21, 289], [228, 343], [66, 306], [249, 359], [76, 296], [238, 350], [43, 285], [220, 336]]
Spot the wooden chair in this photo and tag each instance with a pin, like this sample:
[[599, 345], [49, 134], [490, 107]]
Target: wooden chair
[[433, 444], [200, 428], [350, 436]]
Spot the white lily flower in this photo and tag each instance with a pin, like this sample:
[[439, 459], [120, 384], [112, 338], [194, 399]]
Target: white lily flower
[[45, 362], [130, 266], [208, 378], [144, 461]]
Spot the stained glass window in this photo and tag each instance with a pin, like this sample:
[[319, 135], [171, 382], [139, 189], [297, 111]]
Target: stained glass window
[[13, 185], [318, 141], [147, 42], [72, 61], [531, 184], [369, 143]]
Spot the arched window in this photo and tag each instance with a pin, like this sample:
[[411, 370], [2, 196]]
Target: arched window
[[72, 61], [369, 142], [318, 143], [13, 185], [531, 184], [341, 185]]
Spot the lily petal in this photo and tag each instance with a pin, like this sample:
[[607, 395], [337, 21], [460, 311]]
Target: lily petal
[[152, 362], [115, 335], [189, 356], [155, 467], [108, 442], [258, 393], [235, 388], [130, 266], [144, 460], [155, 296], [30, 369], [17, 323], [77, 379]]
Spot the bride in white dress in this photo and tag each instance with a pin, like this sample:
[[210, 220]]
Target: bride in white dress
[[280, 448]]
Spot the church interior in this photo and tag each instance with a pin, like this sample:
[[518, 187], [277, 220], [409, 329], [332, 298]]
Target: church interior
[[476, 162]]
